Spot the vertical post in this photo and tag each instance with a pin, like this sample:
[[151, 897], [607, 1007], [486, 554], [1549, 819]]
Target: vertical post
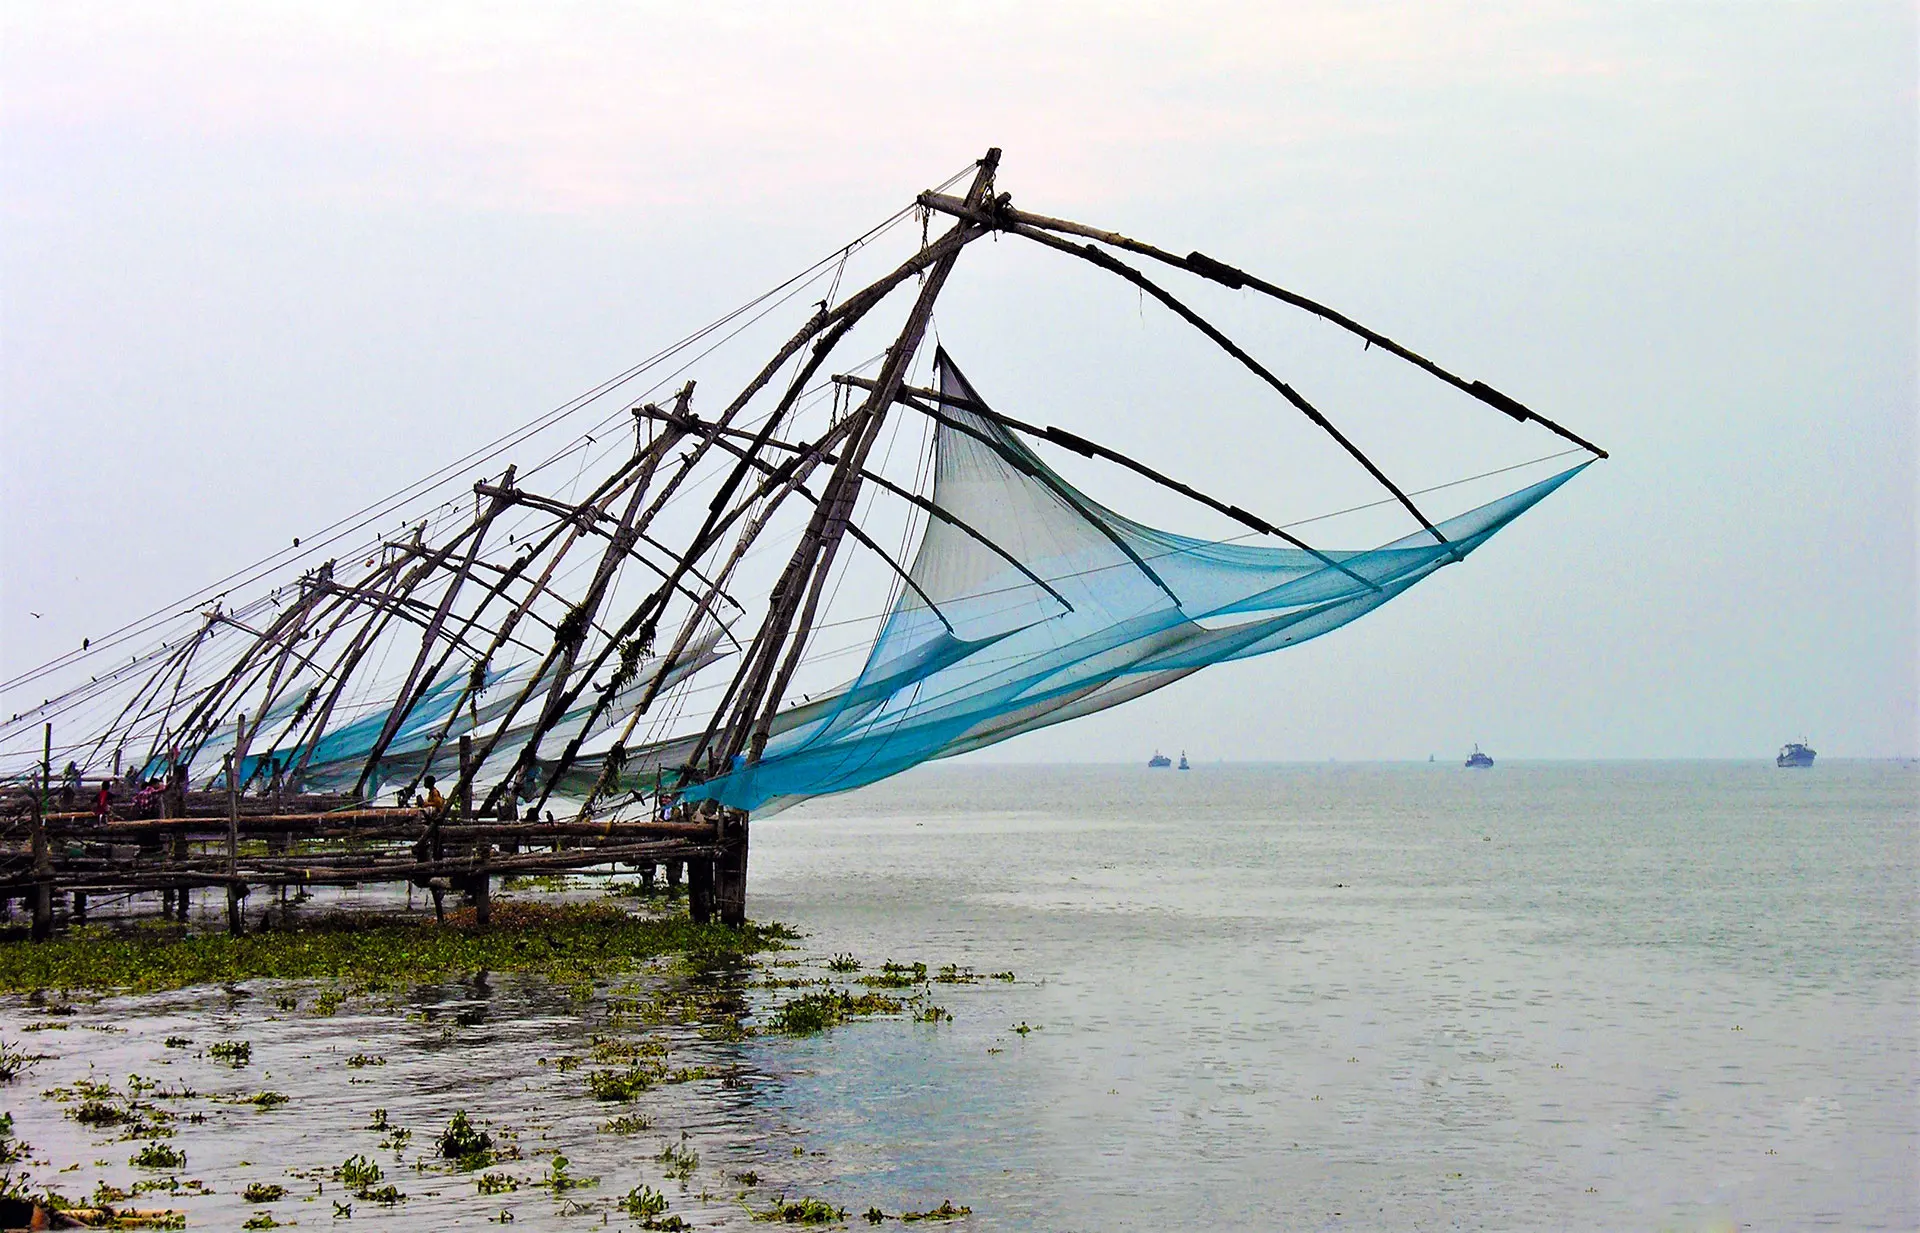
[[236, 924], [730, 869], [42, 874], [700, 890], [46, 768]]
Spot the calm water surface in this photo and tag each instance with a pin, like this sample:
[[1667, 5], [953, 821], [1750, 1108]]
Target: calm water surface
[[1659, 996]]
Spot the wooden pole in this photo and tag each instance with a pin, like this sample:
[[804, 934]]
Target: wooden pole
[[236, 921], [42, 873]]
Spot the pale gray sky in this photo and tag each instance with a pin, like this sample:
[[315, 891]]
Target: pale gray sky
[[265, 262]]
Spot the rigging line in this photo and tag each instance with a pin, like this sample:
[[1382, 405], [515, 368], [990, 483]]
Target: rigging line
[[1105, 261], [1235, 279], [420, 487]]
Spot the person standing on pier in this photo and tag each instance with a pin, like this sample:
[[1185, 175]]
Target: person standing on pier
[[103, 802]]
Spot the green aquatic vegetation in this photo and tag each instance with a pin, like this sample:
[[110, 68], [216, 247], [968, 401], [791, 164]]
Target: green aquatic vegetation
[[843, 963], [1023, 1029], [357, 1173], [100, 1114], [235, 1053], [932, 1014], [263, 1192], [897, 976], [264, 1101], [15, 1060], [946, 1211], [259, 1220], [287, 1001], [179, 1042], [643, 1203], [1006, 976], [361, 1060], [953, 974], [573, 943], [386, 1195], [328, 1002], [614, 1049], [396, 1140], [495, 1183], [816, 1012], [378, 1120], [621, 1085], [560, 1179], [465, 1143], [801, 1211], [105, 1194], [679, 1158], [158, 1156], [627, 1124]]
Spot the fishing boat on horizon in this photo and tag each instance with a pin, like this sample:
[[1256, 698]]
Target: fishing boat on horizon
[[1795, 753], [1160, 761], [1477, 761]]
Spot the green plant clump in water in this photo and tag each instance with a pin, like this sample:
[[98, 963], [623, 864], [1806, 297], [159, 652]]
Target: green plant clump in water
[[496, 1183], [158, 1156], [357, 1173], [99, 1113], [179, 1042], [627, 1124], [265, 1100], [232, 1052], [466, 1143], [263, 1192], [946, 1211], [560, 1180], [259, 1220], [644, 1203], [680, 1160], [621, 1084], [360, 1060], [14, 1059], [802, 1211], [897, 976], [843, 963], [816, 1012], [933, 1014]]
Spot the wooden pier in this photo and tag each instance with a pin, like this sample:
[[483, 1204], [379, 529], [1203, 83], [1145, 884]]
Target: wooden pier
[[53, 853]]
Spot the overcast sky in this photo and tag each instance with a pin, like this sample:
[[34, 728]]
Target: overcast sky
[[265, 262]]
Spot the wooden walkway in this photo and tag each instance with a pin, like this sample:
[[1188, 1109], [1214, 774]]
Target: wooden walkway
[[53, 854]]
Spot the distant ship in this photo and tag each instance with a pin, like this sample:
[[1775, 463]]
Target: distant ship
[[1795, 753], [1160, 761], [1183, 761], [1478, 761]]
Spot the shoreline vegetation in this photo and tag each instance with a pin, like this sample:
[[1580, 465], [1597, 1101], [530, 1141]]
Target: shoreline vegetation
[[662, 1002], [376, 951]]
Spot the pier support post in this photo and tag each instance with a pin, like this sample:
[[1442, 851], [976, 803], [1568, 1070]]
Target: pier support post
[[730, 870], [79, 907], [236, 918], [42, 873], [700, 890]]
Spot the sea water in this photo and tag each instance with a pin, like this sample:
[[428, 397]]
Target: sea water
[[1605, 996], [1566, 996]]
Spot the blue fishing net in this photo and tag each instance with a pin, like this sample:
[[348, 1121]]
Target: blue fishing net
[[1106, 610]]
